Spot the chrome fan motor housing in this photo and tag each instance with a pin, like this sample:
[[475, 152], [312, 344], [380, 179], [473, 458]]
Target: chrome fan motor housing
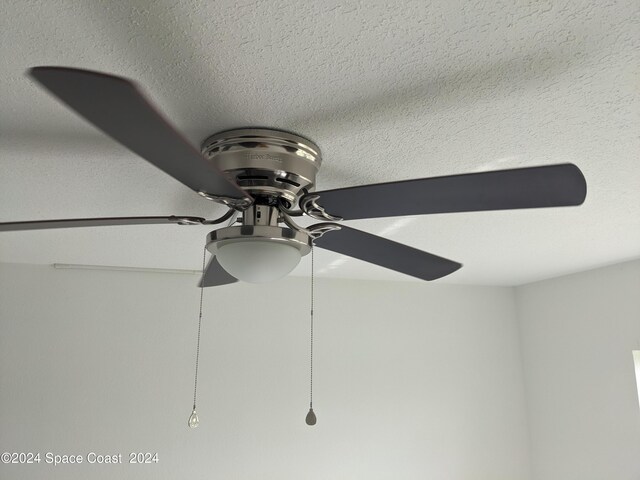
[[268, 164]]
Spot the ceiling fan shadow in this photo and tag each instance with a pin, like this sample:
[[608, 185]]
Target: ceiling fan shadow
[[439, 90]]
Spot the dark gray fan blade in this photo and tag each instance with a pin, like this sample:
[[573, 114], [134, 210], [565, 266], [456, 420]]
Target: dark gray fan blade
[[119, 108], [215, 275], [383, 252], [533, 187], [98, 222]]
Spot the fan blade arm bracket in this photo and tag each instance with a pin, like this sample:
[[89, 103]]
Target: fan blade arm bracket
[[319, 229], [201, 221], [309, 205], [186, 220], [239, 204], [314, 231]]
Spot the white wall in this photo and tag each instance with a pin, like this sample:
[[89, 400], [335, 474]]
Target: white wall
[[413, 380], [578, 333]]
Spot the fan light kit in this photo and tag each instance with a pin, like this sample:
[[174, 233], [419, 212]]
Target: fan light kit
[[259, 257], [267, 177]]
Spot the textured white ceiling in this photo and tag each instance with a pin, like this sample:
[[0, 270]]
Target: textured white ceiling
[[389, 90]]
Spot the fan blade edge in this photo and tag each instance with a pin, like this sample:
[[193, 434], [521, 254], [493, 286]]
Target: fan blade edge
[[98, 222], [214, 275], [384, 252]]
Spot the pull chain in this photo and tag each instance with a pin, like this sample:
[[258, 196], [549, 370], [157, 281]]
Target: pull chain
[[311, 416], [194, 421]]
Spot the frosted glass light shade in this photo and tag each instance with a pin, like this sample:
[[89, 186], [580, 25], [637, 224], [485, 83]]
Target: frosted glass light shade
[[258, 261]]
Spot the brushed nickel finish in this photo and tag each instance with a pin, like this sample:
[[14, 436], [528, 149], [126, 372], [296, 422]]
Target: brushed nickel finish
[[314, 231], [235, 203], [267, 164], [248, 233], [318, 230], [261, 215], [310, 206]]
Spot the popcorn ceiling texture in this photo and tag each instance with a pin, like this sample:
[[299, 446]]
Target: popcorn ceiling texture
[[389, 90]]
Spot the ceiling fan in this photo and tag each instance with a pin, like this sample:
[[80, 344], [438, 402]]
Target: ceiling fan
[[268, 177]]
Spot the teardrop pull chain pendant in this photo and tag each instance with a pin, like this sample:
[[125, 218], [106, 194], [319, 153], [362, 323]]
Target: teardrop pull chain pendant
[[194, 421], [311, 419]]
